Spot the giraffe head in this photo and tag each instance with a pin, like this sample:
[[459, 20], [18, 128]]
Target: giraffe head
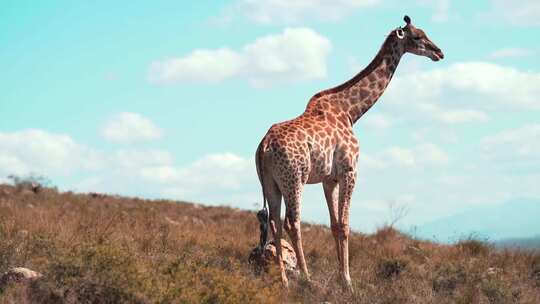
[[415, 41]]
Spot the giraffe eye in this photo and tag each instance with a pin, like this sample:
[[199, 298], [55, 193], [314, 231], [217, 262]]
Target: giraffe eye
[[417, 38]]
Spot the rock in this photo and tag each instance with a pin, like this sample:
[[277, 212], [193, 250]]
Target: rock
[[263, 260], [6, 190], [171, 221], [19, 274], [23, 233]]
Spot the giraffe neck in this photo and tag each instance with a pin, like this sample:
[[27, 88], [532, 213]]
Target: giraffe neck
[[356, 96], [362, 95]]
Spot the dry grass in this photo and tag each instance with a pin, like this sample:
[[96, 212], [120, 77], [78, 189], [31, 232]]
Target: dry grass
[[103, 249]]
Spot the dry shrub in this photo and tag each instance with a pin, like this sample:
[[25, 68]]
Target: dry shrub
[[206, 284], [473, 247], [448, 278], [91, 272], [496, 292], [390, 268], [385, 233]]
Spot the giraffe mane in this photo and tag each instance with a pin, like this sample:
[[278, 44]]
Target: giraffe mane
[[366, 71]]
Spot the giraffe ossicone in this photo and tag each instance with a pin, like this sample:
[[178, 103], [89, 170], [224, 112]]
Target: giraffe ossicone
[[319, 147]]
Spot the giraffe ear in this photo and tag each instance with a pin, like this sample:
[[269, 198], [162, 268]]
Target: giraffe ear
[[400, 33], [407, 19]]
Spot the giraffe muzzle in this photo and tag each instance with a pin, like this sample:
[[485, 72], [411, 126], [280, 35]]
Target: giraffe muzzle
[[438, 55]]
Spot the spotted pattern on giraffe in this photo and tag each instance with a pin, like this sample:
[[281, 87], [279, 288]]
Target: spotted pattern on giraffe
[[319, 146]]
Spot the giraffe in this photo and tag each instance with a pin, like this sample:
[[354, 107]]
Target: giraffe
[[319, 147]]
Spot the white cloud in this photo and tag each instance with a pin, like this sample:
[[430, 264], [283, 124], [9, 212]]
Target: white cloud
[[294, 55], [221, 170], [525, 12], [519, 145], [200, 65], [426, 154], [137, 158], [440, 9], [129, 127], [449, 116], [400, 156], [214, 178], [431, 154], [500, 167], [163, 174], [511, 53], [462, 116], [469, 88], [218, 178], [228, 178], [376, 121], [37, 151], [296, 11], [368, 162], [422, 155]]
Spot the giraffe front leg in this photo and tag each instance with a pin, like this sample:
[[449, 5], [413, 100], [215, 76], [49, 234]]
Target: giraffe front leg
[[331, 193], [346, 187]]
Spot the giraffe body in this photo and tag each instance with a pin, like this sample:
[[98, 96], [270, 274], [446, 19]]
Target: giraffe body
[[319, 146], [309, 144]]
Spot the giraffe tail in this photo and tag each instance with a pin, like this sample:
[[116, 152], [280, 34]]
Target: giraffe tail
[[262, 215], [259, 165]]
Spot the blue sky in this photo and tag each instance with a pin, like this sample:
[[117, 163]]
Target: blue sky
[[169, 100]]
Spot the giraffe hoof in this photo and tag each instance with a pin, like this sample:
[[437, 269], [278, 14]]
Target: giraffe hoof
[[285, 282], [347, 284]]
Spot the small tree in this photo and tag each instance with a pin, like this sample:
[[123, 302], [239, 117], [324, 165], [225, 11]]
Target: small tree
[[32, 181], [396, 213]]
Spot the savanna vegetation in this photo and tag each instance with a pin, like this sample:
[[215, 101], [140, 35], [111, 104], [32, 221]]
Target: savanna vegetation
[[94, 248]]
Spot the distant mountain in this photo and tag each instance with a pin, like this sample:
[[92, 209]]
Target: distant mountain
[[510, 220], [522, 243]]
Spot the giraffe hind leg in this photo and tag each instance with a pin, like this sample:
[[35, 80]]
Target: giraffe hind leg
[[274, 196], [292, 225]]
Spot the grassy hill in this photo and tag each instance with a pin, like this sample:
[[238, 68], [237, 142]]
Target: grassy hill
[[106, 249]]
